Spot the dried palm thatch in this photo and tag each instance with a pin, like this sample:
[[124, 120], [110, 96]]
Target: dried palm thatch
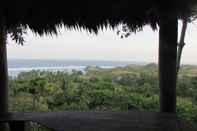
[[44, 16]]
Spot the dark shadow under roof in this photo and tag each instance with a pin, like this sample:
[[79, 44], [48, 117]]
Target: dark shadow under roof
[[43, 16]]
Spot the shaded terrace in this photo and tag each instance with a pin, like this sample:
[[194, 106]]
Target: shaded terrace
[[44, 17]]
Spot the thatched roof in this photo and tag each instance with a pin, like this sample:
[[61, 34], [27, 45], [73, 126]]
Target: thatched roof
[[43, 16]]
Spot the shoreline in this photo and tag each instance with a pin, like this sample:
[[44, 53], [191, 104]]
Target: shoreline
[[13, 72]]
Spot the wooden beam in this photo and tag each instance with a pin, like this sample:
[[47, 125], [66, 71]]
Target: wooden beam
[[168, 33], [3, 73], [100, 121]]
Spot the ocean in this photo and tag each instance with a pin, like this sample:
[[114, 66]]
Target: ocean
[[16, 66]]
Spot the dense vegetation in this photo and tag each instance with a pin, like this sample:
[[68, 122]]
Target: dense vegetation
[[134, 87]]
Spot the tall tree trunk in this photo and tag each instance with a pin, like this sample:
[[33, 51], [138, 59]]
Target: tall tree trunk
[[168, 33], [34, 102], [3, 73], [181, 44]]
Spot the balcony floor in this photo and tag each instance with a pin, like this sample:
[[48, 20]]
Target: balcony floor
[[102, 121]]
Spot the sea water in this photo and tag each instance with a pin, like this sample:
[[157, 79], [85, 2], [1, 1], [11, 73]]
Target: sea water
[[16, 66]]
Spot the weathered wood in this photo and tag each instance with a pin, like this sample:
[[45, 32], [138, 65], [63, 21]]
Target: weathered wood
[[168, 33], [3, 74], [3, 70], [17, 126], [101, 121]]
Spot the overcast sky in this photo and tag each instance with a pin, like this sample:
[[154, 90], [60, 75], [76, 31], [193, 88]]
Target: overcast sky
[[107, 45]]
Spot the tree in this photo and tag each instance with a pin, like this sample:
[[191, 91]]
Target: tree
[[37, 88]]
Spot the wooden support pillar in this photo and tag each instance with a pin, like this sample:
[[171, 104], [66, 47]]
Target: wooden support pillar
[[168, 33], [3, 73]]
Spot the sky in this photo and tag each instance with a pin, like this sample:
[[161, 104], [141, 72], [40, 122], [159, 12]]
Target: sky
[[107, 45]]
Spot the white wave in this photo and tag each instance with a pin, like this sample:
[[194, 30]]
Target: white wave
[[16, 71]]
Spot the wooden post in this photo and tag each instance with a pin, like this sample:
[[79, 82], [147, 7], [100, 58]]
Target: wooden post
[[168, 33], [3, 73]]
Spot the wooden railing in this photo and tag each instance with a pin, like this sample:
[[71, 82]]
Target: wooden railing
[[96, 121]]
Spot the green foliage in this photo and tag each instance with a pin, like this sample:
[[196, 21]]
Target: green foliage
[[186, 109], [120, 89], [143, 102]]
